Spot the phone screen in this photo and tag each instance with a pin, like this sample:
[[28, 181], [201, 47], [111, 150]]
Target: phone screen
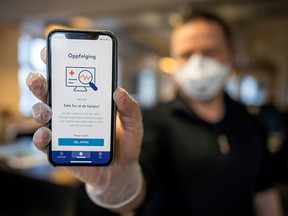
[[82, 79]]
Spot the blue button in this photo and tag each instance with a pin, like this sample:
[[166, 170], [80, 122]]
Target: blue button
[[80, 142]]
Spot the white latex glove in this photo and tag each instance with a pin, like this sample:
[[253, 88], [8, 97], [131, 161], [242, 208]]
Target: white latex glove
[[118, 184]]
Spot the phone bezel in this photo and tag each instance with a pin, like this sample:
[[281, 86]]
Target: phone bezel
[[114, 86]]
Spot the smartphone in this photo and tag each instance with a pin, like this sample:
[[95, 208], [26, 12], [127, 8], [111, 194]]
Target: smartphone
[[82, 76]]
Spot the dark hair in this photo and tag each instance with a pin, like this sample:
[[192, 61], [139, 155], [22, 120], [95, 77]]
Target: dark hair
[[211, 18]]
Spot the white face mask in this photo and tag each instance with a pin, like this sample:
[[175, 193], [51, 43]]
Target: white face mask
[[202, 78]]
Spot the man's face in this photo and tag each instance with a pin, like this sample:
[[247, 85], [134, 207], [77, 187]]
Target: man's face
[[200, 37]]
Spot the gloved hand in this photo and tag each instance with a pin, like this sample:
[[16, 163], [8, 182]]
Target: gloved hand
[[113, 186]]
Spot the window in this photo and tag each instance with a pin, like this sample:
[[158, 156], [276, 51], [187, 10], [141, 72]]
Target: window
[[252, 92], [29, 49], [147, 88]]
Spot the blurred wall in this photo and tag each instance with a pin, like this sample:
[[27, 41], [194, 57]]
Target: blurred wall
[[9, 68], [265, 41]]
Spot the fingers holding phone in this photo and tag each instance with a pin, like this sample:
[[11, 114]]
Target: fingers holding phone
[[41, 111], [38, 86], [42, 138]]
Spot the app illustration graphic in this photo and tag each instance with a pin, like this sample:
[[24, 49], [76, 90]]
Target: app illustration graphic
[[80, 78]]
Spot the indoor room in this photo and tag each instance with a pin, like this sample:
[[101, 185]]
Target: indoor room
[[151, 75]]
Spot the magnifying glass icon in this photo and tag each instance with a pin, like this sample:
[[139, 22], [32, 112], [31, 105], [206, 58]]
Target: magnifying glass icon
[[86, 78]]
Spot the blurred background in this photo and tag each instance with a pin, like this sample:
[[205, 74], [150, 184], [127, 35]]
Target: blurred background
[[259, 80]]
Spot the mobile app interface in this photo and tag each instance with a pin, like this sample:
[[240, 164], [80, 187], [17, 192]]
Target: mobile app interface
[[81, 89]]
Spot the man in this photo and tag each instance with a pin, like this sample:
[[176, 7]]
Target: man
[[200, 154]]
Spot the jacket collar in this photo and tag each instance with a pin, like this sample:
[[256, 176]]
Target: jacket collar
[[180, 107]]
